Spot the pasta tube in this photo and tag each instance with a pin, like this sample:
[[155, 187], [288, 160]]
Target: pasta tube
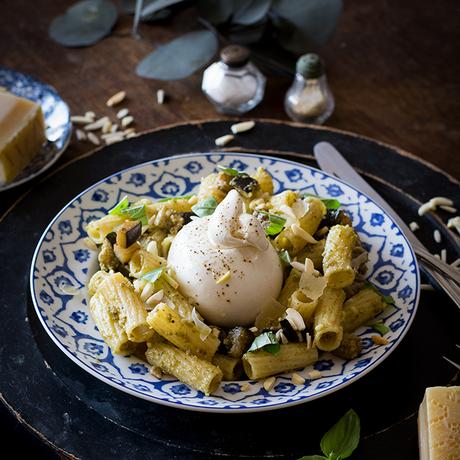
[[116, 307], [188, 368], [340, 243], [303, 304], [98, 229], [291, 284], [182, 333], [142, 262], [327, 324], [312, 218], [231, 368], [260, 364], [361, 308]]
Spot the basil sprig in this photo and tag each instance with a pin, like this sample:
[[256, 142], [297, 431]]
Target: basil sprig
[[229, 171], [205, 207], [266, 341], [275, 223], [153, 275], [386, 298], [174, 198], [341, 440], [381, 328], [285, 257], [124, 209], [330, 203]]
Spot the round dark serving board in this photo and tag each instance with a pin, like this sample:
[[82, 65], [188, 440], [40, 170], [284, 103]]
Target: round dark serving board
[[81, 417]]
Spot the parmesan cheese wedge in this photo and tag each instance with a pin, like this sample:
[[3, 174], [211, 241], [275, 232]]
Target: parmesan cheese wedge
[[439, 424], [22, 133]]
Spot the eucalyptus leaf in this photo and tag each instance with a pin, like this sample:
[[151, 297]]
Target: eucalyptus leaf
[[179, 58], [305, 24], [84, 23], [216, 11], [343, 438], [153, 7], [251, 12]]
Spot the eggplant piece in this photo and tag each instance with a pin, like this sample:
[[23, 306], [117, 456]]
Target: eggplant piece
[[335, 217], [129, 233], [245, 184], [237, 341], [350, 347], [288, 330], [107, 258], [112, 237]]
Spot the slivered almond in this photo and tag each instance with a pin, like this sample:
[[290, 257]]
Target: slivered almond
[[116, 99], [93, 138], [98, 124], [313, 375], [379, 340], [122, 113], [80, 119], [161, 96], [81, 135], [125, 121], [297, 379], [242, 127], [269, 383], [224, 140]]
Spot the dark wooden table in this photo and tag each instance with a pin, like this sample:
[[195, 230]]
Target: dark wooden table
[[393, 67]]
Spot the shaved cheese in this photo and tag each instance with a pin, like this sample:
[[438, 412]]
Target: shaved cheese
[[301, 233], [295, 319], [203, 328]]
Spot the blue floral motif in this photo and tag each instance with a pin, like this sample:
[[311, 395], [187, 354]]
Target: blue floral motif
[[100, 196], [137, 179], [405, 292], [294, 175], [397, 250], [138, 368], [48, 256], [334, 190], [65, 227], [193, 167], [93, 348], [385, 277], [208, 402], [81, 255], [284, 387], [395, 325], [366, 343], [170, 188], [140, 387], [232, 388], [324, 365], [62, 282], [79, 317], [59, 330], [45, 297], [260, 401], [100, 367], [325, 384], [362, 363], [238, 165], [180, 389], [377, 219]]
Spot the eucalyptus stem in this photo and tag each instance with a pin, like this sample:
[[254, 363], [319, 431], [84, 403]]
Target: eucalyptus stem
[[137, 17]]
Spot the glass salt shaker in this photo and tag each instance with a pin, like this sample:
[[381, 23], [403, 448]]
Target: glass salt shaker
[[234, 85], [309, 99]]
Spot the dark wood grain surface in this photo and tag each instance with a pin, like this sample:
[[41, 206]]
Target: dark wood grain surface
[[393, 68]]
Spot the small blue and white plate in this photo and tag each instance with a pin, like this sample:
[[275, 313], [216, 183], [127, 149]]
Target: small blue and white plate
[[57, 121], [62, 264]]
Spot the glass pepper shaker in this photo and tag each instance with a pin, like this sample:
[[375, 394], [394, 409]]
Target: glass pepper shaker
[[309, 99], [234, 85]]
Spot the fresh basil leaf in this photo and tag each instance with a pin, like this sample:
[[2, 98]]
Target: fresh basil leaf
[[343, 438], [313, 457], [330, 203], [285, 257], [229, 171], [205, 207], [136, 213], [120, 206], [174, 198], [381, 328], [266, 341], [179, 58], [153, 275], [388, 299], [275, 224], [84, 23]]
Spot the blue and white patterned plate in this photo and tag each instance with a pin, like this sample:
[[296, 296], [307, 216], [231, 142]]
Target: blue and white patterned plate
[[57, 121], [62, 262]]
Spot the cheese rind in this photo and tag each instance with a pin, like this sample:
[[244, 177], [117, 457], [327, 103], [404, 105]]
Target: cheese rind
[[439, 424], [22, 134]]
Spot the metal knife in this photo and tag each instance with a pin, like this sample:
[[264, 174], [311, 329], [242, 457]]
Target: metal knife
[[331, 161]]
